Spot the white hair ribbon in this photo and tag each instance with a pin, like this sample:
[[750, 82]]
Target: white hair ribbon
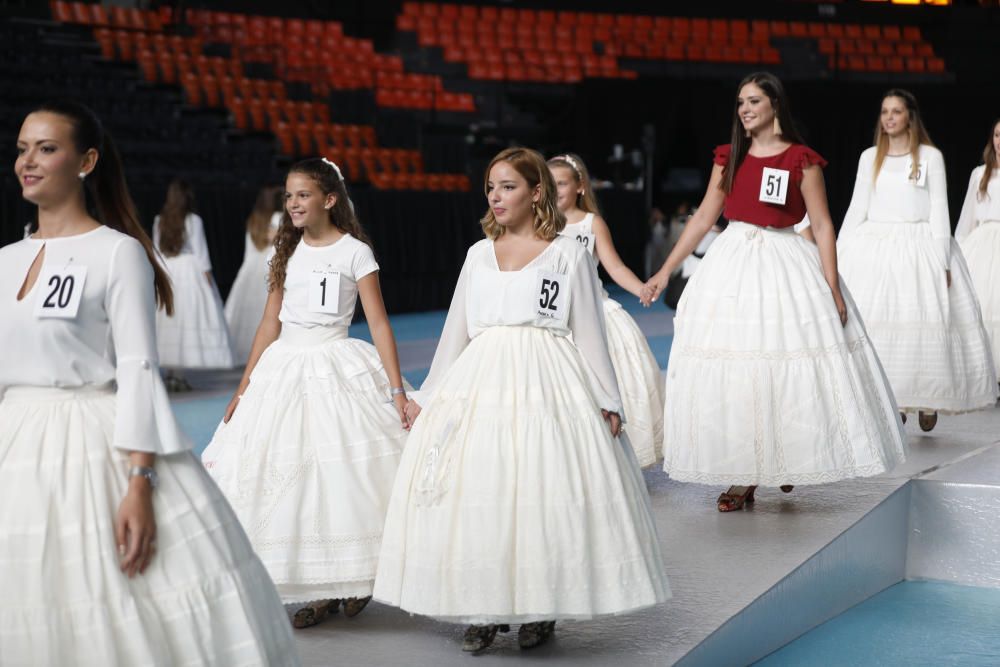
[[572, 163], [335, 167]]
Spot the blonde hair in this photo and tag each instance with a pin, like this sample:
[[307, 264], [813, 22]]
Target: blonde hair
[[915, 126], [585, 201], [548, 220]]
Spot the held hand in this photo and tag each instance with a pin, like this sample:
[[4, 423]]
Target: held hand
[[838, 300], [947, 274], [614, 422], [135, 528], [401, 403], [653, 288], [231, 408], [412, 411]]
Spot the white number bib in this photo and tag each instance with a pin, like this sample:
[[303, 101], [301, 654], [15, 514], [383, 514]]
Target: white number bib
[[921, 179], [586, 240], [774, 186], [552, 296], [60, 290], [324, 292]]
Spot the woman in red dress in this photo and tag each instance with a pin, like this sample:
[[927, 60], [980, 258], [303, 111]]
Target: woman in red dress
[[771, 379]]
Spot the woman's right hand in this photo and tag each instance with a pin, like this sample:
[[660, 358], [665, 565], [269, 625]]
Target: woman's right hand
[[653, 288], [231, 408]]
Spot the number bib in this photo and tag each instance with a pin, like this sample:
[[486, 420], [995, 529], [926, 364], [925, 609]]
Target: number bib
[[552, 296], [324, 292], [60, 290], [774, 186], [586, 240], [921, 179]]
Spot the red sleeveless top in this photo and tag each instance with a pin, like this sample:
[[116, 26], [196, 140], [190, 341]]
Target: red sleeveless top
[[743, 203]]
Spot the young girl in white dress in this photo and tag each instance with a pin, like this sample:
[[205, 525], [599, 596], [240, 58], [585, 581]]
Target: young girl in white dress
[[195, 335], [309, 445], [978, 234], [245, 303], [908, 275], [117, 548], [635, 366], [771, 379], [515, 501]]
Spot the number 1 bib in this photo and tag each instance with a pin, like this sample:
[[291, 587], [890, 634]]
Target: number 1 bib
[[60, 290], [324, 292], [774, 186]]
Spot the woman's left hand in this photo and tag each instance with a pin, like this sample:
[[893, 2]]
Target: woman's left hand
[[838, 301], [400, 401], [135, 527], [614, 422], [947, 275]]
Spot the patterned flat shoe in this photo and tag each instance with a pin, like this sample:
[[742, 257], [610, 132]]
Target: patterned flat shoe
[[530, 635], [480, 637], [354, 606], [314, 613], [927, 421]]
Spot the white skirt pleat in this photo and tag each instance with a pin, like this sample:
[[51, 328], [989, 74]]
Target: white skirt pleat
[[195, 336], [245, 303], [929, 337], [764, 385], [205, 599], [513, 503], [982, 254], [308, 461], [638, 381]]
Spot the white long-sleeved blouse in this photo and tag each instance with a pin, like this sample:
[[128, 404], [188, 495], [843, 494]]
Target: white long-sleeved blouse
[[194, 239], [895, 197], [976, 210], [112, 337], [487, 297]]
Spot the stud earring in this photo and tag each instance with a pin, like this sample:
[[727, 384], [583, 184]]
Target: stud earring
[[82, 175]]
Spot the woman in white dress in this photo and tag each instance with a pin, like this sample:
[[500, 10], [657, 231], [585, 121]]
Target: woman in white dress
[[635, 366], [771, 379], [117, 548], [908, 275], [245, 303], [515, 501], [195, 335], [978, 234], [310, 442]]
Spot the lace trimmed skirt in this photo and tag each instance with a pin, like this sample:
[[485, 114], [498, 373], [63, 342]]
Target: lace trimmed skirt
[[982, 254], [638, 381], [205, 598], [929, 337], [764, 385], [513, 502], [308, 461]]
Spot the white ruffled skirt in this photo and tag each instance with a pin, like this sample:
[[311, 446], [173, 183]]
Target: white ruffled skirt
[[195, 336], [764, 385], [513, 503], [246, 301], [205, 598], [930, 338], [982, 254], [308, 461], [638, 382]]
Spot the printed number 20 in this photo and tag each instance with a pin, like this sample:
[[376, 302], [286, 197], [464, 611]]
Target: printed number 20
[[550, 290], [62, 292]]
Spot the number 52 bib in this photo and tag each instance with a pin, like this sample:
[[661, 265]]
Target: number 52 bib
[[552, 297]]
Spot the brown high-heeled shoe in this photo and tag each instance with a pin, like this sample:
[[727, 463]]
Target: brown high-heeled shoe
[[730, 501]]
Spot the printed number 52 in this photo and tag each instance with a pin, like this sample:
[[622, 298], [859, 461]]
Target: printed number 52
[[550, 290]]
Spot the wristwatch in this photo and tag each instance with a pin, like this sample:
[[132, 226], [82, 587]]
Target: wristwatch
[[148, 473]]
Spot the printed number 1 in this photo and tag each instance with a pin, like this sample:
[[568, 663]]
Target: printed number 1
[[63, 287], [322, 299], [548, 296]]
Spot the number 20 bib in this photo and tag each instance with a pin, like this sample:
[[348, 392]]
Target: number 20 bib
[[60, 290]]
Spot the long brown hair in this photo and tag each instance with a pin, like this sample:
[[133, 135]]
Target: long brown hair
[[259, 222], [915, 126], [989, 160], [341, 215], [586, 200], [548, 220], [739, 142], [179, 203], [105, 192]]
